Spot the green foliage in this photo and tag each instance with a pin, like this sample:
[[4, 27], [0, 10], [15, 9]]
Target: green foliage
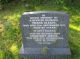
[[67, 2], [51, 2], [5, 1], [41, 2], [72, 2]]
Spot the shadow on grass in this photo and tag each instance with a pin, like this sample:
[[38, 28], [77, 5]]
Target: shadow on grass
[[8, 55], [74, 41]]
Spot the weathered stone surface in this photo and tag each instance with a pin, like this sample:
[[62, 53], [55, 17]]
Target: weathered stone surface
[[44, 31]]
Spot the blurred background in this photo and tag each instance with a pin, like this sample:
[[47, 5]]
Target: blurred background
[[10, 33]]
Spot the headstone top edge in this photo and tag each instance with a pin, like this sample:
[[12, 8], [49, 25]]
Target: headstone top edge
[[36, 12]]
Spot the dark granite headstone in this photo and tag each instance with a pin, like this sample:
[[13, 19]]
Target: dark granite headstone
[[44, 34]]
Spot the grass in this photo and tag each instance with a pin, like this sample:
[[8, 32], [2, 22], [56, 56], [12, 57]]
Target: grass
[[10, 34]]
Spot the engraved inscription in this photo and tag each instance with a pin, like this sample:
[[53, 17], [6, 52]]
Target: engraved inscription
[[44, 29]]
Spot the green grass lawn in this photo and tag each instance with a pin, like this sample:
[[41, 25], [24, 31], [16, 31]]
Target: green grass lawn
[[10, 34]]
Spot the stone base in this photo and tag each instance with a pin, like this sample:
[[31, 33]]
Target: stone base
[[52, 53]]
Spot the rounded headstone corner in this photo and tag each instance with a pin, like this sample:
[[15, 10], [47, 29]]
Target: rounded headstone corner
[[35, 12]]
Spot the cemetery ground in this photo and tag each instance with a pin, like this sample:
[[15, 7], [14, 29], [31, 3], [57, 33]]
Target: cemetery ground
[[10, 33]]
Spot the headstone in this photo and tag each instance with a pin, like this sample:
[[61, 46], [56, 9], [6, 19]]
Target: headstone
[[45, 34]]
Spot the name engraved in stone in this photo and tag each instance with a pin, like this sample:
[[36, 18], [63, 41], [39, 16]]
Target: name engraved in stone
[[44, 29]]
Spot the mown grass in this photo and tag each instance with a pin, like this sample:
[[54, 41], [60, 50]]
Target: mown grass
[[10, 34]]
